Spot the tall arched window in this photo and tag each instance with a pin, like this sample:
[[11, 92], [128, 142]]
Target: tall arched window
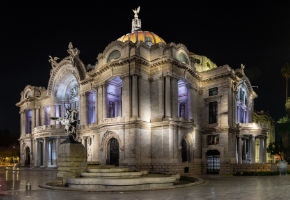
[[114, 98], [28, 121], [242, 113], [182, 100], [47, 115], [91, 102]]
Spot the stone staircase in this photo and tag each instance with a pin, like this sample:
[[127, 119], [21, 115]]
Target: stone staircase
[[110, 178]]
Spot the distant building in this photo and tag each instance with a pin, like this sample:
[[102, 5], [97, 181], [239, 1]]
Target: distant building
[[146, 104], [265, 119]]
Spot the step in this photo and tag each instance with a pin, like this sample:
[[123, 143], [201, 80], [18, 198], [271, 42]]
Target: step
[[114, 174], [121, 181], [108, 170]]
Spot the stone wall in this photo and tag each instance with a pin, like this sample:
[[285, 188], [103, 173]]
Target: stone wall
[[172, 168], [254, 167]]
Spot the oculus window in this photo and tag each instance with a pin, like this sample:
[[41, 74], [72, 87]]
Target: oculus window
[[114, 55]]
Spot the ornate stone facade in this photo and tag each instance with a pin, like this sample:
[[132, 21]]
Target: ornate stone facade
[[146, 104]]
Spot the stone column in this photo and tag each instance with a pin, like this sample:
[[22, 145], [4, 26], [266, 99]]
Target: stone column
[[32, 119], [240, 149], [167, 97], [265, 149], [37, 117], [42, 115], [261, 150], [174, 97], [56, 148], [189, 101], [135, 96], [100, 104], [253, 150], [83, 110], [22, 123], [44, 152], [161, 96], [96, 107], [104, 89], [35, 152]]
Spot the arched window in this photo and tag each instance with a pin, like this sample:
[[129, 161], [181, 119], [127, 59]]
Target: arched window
[[28, 121], [66, 91], [47, 115], [184, 151], [182, 100], [182, 58], [91, 103], [114, 55], [114, 98], [242, 113], [28, 94]]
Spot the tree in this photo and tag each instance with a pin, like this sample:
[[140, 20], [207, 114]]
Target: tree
[[276, 148], [285, 71]]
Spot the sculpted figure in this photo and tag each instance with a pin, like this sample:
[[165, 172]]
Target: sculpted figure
[[70, 124]]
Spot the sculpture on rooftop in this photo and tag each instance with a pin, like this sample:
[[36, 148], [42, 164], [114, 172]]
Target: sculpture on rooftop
[[136, 22]]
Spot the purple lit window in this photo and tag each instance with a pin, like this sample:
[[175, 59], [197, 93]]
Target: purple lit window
[[47, 115], [91, 102], [182, 100], [114, 98], [242, 112], [111, 109], [28, 121]]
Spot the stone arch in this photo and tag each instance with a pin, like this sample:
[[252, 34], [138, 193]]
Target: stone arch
[[106, 137], [189, 145], [65, 67], [113, 152], [27, 156]]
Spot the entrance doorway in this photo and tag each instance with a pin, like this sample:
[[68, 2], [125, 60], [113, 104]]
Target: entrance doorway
[[40, 153], [113, 152], [27, 157], [213, 162], [184, 151]]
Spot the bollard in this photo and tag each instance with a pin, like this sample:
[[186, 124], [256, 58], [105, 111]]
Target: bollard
[[28, 186]]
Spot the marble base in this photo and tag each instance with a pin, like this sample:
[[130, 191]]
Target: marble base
[[72, 160]]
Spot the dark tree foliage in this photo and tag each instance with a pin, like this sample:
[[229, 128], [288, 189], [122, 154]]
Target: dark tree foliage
[[276, 148], [7, 138]]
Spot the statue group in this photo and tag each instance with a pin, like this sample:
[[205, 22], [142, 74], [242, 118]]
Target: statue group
[[69, 122]]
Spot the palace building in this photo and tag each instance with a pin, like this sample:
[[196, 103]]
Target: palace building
[[146, 104]]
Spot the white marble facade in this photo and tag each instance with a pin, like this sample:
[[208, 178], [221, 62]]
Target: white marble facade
[[146, 104]]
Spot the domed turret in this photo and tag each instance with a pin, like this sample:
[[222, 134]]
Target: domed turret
[[144, 36], [138, 35]]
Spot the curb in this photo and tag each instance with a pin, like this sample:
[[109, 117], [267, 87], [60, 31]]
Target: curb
[[198, 182]]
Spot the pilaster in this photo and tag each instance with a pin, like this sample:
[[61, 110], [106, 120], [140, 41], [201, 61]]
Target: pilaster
[[253, 149], [167, 97], [240, 149], [135, 106]]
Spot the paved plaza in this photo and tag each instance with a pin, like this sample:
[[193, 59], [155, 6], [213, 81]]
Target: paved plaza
[[214, 187]]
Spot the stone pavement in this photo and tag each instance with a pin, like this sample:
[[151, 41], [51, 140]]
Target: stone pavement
[[215, 187]]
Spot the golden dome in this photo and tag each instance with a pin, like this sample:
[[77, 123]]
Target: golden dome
[[144, 36]]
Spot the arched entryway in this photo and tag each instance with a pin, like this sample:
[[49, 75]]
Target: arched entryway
[[184, 151], [113, 152], [27, 157], [213, 162]]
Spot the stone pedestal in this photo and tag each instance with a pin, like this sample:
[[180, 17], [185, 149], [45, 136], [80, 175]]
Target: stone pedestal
[[72, 160]]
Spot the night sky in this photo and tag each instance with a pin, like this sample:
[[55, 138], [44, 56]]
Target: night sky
[[255, 34]]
